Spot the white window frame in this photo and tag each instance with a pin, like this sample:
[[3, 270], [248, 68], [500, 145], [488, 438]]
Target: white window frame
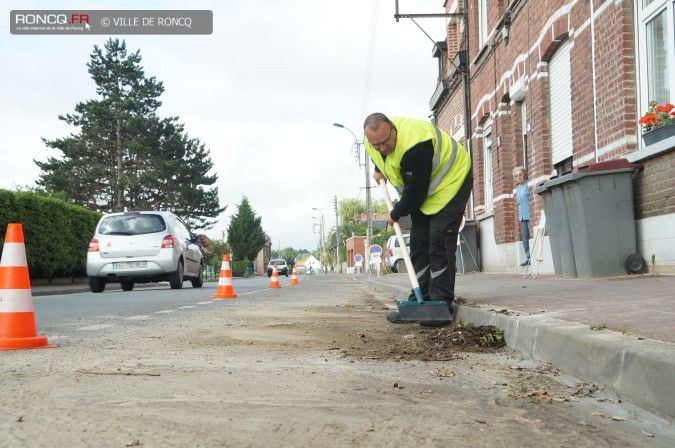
[[646, 15], [488, 181], [523, 131], [482, 23]]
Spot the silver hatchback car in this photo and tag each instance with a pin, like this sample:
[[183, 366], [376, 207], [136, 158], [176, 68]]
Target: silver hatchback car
[[394, 254], [143, 247]]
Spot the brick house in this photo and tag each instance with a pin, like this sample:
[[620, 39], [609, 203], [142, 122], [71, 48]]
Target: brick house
[[355, 246], [553, 86]]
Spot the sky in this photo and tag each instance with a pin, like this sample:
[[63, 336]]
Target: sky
[[261, 92]]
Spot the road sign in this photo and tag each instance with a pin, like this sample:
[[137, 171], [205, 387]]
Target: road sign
[[358, 258], [375, 249]]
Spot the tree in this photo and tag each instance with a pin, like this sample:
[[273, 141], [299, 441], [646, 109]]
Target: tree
[[125, 157], [349, 208], [245, 233]]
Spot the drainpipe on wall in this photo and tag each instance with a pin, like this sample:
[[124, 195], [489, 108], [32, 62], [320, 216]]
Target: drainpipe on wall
[[529, 72], [467, 103], [595, 90]]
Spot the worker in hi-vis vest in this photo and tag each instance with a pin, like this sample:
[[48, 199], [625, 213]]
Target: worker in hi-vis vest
[[432, 174]]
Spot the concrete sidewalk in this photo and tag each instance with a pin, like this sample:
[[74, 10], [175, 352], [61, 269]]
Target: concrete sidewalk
[[617, 331]]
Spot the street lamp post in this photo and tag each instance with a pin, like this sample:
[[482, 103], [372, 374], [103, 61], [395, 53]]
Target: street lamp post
[[369, 221]]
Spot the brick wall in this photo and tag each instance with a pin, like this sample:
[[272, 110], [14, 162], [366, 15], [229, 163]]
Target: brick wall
[[653, 186], [603, 85]]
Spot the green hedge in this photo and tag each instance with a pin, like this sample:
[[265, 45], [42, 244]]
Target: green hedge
[[242, 268], [56, 234]]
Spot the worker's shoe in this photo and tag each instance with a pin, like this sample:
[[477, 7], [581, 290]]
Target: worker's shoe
[[525, 263], [442, 323]]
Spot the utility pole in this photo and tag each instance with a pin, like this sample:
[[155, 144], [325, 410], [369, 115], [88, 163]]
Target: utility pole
[[369, 211], [369, 220], [321, 228], [337, 236]]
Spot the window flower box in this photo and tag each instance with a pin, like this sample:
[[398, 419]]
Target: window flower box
[[658, 124], [655, 135]]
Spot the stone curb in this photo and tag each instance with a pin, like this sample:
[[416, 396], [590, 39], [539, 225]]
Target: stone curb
[[640, 371]]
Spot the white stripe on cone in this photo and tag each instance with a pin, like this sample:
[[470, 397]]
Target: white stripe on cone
[[224, 281], [225, 266], [16, 301], [13, 254]]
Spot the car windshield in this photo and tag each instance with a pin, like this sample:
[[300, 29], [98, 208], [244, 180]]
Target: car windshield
[[131, 225], [278, 262]]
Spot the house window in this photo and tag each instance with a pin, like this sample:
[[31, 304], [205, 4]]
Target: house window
[[487, 166], [657, 70], [482, 23]]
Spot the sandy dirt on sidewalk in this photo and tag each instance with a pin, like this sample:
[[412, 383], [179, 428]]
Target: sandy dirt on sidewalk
[[316, 365]]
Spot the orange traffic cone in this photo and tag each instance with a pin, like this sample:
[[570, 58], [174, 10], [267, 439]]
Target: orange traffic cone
[[274, 280], [294, 277], [225, 290], [17, 320]]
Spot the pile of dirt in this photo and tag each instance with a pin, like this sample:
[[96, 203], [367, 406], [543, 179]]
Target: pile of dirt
[[413, 342]]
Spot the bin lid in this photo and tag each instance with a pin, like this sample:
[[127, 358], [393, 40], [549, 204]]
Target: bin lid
[[616, 164], [600, 168], [541, 188]]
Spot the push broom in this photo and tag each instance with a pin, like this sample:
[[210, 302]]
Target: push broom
[[419, 309]]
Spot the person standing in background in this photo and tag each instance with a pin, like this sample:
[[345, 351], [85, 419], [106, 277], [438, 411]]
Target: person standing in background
[[523, 200]]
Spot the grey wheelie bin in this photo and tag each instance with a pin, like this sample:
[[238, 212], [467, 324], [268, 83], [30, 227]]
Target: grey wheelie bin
[[557, 223], [599, 200]]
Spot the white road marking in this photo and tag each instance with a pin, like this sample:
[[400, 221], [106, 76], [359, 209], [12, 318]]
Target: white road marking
[[95, 327], [140, 317]]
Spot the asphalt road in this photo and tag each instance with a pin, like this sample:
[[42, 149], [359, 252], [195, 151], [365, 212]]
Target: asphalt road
[[59, 316]]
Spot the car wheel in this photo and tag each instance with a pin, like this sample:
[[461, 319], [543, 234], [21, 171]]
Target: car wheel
[[400, 266], [199, 281], [176, 278], [97, 284], [127, 285]]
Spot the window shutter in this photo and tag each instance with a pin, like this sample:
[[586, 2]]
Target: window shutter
[[561, 104]]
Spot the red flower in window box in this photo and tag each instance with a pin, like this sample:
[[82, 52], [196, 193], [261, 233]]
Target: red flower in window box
[[658, 115]]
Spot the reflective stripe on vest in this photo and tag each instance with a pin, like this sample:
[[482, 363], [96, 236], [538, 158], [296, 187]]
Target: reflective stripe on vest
[[437, 160]]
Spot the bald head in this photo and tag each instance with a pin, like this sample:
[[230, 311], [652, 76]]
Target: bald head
[[375, 120]]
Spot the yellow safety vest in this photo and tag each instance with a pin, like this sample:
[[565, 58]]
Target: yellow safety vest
[[451, 162]]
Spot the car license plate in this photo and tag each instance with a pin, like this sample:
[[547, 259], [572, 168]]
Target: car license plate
[[130, 265]]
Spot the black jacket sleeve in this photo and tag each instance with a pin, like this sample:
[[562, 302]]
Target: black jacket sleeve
[[416, 174]]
